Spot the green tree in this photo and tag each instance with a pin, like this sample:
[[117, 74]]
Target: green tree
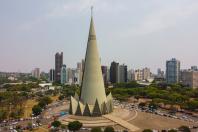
[[109, 129], [96, 129], [46, 99], [13, 115], [56, 124], [36, 110], [3, 115], [61, 97], [74, 126], [184, 129], [42, 104], [191, 105], [172, 130], [63, 126], [147, 130]]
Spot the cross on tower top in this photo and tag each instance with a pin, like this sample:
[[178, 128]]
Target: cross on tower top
[[91, 10]]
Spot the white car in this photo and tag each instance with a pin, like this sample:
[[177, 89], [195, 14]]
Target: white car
[[14, 123]]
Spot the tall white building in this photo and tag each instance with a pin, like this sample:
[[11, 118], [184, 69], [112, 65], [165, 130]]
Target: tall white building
[[142, 74], [36, 73], [146, 73], [77, 76], [138, 75], [130, 75], [69, 75], [80, 71]]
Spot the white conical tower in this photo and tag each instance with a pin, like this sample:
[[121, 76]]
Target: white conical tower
[[93, 84], [93, 100]]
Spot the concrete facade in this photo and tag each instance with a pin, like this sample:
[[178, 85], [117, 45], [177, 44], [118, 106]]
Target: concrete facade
[[93, 100], [146, 73], [138, 75], [36, 73], [122, 73], [190, 78]]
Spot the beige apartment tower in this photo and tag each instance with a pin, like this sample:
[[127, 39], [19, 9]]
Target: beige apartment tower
[[92, 100], [190, 78]]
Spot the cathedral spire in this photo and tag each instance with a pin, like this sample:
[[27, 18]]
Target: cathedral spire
[[93, 100], [91, 11], [92, 82], [92, 33]]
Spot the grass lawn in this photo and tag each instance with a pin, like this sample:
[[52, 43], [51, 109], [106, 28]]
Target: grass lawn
[[28, 107], [30, 103], [54, 98]]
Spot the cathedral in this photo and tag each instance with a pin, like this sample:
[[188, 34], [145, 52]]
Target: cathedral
[[92, 100]]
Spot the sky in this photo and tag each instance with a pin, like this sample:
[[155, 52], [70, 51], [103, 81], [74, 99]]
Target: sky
[[138, 33]]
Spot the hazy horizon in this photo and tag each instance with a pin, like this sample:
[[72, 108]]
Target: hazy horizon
[[136, 33]]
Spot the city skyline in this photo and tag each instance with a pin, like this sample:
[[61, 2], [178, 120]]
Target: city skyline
[[148, 34]]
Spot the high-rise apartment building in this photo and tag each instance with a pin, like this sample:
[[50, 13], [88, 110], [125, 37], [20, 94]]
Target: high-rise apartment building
[[51, 75], [160, 73], [138, 75], [114, 72], [77, 79], [63, 74], [104, 74], [130, 75], [189, 78], [58, 66], [83, 64], [69, 76], [172, 71], [36, 73], [122, 73], [108, 74], [80, 71], [194, 68], [146, 74]]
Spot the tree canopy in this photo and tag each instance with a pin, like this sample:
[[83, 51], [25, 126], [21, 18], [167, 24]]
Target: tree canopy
[[74, 126], [109, 129], [96, 129], [147, 130], [56, 124]]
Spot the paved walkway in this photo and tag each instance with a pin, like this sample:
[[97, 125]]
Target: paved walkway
[[136, 114], [121, 122]]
